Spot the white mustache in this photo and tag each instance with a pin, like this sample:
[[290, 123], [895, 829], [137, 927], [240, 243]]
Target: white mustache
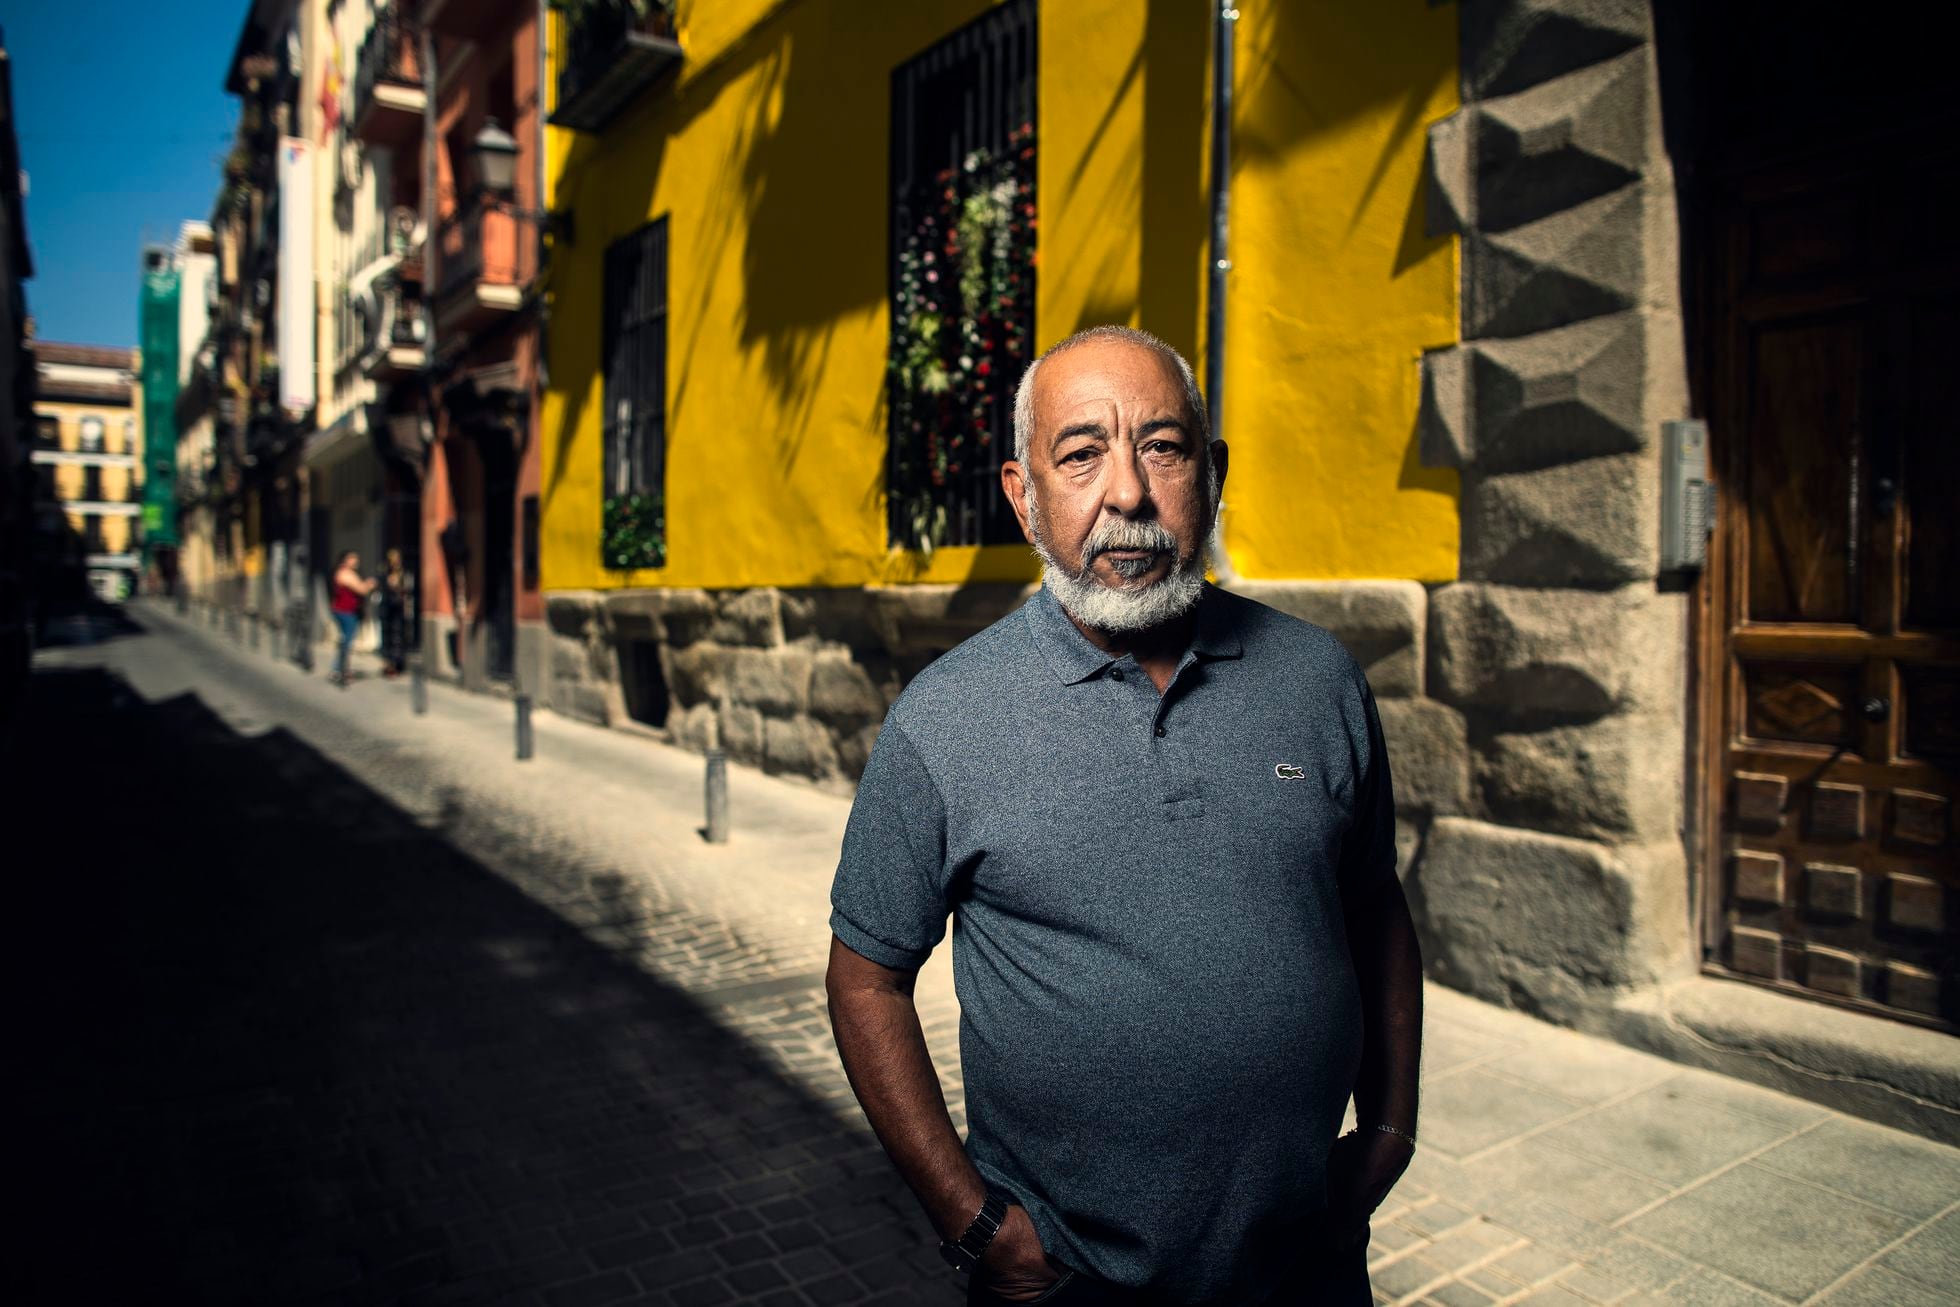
[[1122, 533]]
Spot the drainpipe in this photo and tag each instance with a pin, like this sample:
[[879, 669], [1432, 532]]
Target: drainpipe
[[1223, 29], [541, 202], [427, 42]]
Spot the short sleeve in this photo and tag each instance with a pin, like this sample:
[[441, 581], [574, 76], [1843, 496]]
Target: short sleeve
[[888, 901], [1368, 851]]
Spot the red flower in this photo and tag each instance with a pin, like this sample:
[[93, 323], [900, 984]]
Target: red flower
[[985, 368]]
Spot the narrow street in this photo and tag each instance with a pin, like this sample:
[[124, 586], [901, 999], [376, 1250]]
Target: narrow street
[[305, 1050], [337, 1003]]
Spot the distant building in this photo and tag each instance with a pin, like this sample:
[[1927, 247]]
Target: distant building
[[88, 459], [193, 411]]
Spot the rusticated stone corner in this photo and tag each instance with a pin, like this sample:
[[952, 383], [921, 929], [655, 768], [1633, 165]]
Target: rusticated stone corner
[[1509, 45], [1444, 424], [1562, 142], [1569, 393], [1580, 263], [1614, 779], [1449, 194], [1593, 524], [1549, 924], [1572, 655], [1381, 623], [1428, 756]]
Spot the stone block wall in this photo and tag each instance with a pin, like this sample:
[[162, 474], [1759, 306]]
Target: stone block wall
[[793, 681], [1562, 882]]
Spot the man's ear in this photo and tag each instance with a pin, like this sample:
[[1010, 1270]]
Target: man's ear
[[1013, 484], [1220, 457]]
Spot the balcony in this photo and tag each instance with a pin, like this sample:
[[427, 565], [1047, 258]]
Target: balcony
[[388, 93], [465, 18], [485, 258], [400, 350], [614, 51]]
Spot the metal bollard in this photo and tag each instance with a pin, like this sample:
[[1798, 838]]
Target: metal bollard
[[717, 797], [418, 686], [524, 741]]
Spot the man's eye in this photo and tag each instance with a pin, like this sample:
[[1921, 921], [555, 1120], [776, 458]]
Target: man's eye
[[1077, 455]]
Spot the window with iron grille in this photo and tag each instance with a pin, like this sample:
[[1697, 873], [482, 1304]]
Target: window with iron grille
[[634, 530], [962, 277]]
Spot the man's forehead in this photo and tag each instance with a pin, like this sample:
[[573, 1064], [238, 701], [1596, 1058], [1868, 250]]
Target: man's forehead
[[1103, 372]]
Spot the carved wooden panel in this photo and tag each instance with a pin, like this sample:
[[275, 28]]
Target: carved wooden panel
[[1756, 952], [1808, 236], [1913, 989], [1760, 800], [1932, 695], [1837, 812], [1919, 818], [1802, 704], [1932, 473], [1834, 971], [1807, 416], [1759, 876], [1915, 902], [1833, 891]]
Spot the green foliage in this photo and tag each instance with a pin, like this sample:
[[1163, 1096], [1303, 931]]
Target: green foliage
[[961, 320], [634, 532]]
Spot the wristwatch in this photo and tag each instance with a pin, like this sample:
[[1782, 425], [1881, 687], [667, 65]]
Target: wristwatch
[[964, 1253]]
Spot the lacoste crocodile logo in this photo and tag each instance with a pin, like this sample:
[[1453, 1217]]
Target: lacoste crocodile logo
[[1287, 771]]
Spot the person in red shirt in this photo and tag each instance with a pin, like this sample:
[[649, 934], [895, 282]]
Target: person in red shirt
[[350, 592]]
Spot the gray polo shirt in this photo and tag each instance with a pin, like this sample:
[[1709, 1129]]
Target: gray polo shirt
[[1159, 1021]]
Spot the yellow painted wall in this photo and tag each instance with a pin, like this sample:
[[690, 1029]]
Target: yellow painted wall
[[1335, 292], [770, 156]]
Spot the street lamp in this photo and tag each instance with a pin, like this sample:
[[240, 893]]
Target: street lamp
[[494, 154], [493, 160]]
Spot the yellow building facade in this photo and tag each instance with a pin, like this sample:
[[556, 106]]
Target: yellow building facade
[[88, 452], [768, 154]]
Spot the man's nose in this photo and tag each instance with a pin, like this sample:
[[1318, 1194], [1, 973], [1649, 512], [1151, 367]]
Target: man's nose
[[1126, 492]]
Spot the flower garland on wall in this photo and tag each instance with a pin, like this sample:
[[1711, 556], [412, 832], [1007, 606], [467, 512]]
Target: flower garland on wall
[[962, 320]]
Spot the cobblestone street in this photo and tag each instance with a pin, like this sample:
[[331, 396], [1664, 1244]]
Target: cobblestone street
[[337, 1003]]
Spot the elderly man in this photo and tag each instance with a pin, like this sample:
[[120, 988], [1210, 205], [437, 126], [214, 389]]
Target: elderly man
[[1160, 817]]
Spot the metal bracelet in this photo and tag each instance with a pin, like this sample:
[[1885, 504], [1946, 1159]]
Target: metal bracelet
[[1398, 1131]]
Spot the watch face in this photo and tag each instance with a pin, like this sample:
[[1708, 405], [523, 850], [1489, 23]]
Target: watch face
[[957, 1257]]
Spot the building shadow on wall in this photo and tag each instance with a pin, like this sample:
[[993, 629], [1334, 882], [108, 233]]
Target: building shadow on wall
[[800, 200], [299, 1048]]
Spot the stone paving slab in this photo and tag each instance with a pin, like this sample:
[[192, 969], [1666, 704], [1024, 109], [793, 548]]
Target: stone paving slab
[[1554, 1167]]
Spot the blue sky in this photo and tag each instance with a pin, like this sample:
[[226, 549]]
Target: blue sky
[[124, 123]]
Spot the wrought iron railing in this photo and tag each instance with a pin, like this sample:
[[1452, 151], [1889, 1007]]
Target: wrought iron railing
[[388, 54], [614, 49]]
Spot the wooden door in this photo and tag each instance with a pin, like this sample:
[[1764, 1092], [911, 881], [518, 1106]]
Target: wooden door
[[1832, 632]]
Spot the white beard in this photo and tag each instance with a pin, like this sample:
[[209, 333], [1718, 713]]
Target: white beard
[[1131, 606]]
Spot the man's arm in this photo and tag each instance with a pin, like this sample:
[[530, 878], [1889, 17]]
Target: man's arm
[[884, 1053], [1388, 970]]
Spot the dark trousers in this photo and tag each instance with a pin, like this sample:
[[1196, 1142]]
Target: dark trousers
[[1335, 1277]]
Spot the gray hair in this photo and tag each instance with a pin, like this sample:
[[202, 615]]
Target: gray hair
[[1194, 400]]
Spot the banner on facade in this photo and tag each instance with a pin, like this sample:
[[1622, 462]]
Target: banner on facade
[[158, 321], [295, 336]]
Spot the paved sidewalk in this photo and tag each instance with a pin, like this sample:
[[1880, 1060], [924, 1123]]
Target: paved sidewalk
[[1555, 1168]]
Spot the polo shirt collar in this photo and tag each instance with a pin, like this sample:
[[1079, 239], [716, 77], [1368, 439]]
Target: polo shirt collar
[[1075, 659]]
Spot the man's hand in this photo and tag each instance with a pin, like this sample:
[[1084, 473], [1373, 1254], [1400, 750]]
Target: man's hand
[[1363, 1166], [1014, 1266]]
